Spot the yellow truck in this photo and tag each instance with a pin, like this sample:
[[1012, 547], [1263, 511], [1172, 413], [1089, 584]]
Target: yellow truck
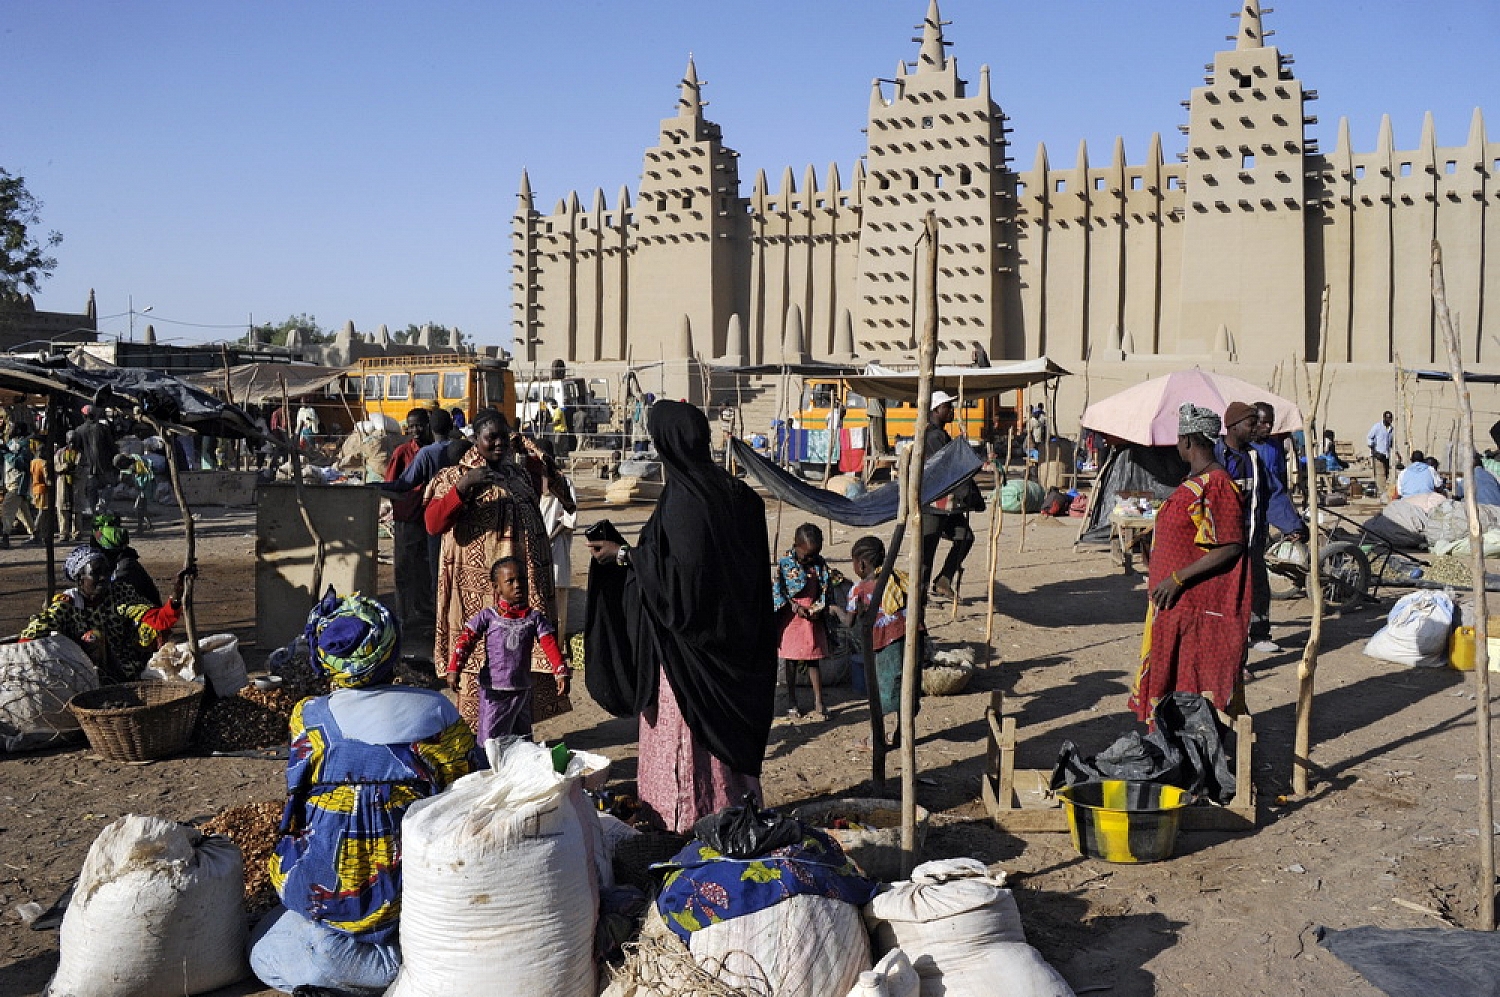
[[393, 386], [979, 419]]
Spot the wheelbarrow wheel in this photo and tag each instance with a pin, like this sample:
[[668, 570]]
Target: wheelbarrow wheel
[[1346, 576]]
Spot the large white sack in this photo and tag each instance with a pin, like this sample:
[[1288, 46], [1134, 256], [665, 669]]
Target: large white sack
[[499, 889], [807, 946], [962, 931], [157, 912], [37, 679], [1416, 631]]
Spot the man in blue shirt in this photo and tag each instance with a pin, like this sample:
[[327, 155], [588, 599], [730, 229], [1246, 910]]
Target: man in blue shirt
[[1382, 439], [1280, 513], [1419, 478]]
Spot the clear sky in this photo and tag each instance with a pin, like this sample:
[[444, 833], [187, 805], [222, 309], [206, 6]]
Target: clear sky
[[222, 159]]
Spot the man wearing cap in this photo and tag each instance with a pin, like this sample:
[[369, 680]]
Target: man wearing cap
[[1239, 458], [952, 523]]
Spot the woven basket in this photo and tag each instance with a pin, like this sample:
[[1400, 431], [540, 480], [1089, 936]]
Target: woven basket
[[944, 680], [137, 721], [635, 855]]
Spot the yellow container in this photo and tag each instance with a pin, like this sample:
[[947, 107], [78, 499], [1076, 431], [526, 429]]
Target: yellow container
[[1461, 647], [1124, 821]]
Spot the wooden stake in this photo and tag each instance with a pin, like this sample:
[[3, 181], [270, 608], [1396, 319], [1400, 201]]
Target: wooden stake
[[911, 663], [307, 520], [1307, 668], [190, 556], [1481, 602], [994, 551]]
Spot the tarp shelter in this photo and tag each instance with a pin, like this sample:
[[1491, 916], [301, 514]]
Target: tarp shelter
[[258, 383], [807, 368], [1130, 468], [901, 386], [160, 396], [1147, 413], [942, 472]]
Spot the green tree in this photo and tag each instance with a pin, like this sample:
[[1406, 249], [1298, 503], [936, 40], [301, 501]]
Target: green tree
[[276, 334], [441, 334], [24, 262]]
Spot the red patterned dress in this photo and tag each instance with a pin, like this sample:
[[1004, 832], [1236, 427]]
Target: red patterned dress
[[1199, 644]]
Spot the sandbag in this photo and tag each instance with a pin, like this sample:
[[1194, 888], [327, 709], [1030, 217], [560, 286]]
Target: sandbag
[[808, 946], [1416, 632], [962, 931], [498, 881], [1011, 492], [157, 910], [222, 664], [37, 679]]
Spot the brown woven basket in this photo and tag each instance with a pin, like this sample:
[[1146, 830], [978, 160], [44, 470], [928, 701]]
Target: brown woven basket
[[137, 721]]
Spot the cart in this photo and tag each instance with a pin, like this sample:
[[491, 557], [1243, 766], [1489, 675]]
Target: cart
[[1352, 562], [1130, 532]]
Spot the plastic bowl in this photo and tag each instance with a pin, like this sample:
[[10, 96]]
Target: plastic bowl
[[1124, 821]]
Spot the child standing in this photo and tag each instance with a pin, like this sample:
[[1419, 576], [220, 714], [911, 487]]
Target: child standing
[[509, 629], [799, 596], [889, 634]]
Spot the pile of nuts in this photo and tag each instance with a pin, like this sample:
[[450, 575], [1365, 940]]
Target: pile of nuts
[[253, 827], [251, 720]]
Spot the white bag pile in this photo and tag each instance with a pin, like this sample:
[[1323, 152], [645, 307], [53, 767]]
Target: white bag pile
[[157, 910], [962, 931], [499, 881], [37, 679], [1416, 631]]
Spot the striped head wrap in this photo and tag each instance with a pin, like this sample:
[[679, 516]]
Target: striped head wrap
[[354, 639], [80, 558]]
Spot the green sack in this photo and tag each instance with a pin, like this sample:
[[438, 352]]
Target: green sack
[[1010, 496]]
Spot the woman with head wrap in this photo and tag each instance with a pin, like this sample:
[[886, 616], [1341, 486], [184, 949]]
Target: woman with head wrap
[[359, 758], [485, 508], [116, 625], [679, 629], [110, 536], [1199, 611]]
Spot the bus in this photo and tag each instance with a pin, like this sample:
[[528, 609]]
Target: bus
[[393, 386], [979, 419]]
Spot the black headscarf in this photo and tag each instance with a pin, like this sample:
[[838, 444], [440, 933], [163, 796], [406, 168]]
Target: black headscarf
[[697, 601]]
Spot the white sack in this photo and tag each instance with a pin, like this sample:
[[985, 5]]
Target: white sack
[[157, 911], [806, 946], [222, 663], [37, 679], [1416, 631], [962, 931], [893, 977], [498, 881]]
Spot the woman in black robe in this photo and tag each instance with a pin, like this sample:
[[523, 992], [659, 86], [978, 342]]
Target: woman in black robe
[[679, 629]]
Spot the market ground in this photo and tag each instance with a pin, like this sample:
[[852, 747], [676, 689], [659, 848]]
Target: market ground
[[1387, 837]]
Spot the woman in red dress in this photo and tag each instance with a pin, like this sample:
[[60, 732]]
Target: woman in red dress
[[1199, 612]]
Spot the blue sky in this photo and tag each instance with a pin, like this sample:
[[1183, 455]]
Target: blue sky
[[222, 159]]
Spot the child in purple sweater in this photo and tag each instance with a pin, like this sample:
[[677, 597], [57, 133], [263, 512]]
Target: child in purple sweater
[[509, 630]]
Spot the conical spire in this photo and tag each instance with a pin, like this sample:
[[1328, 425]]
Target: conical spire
[[1476, 131], [793, 349], [92, 309], [525, 194], [736, 347], [685, 337], [150, 337], [843, 336], [690, 104], [383, 337], [931, 58], [1251, 33]]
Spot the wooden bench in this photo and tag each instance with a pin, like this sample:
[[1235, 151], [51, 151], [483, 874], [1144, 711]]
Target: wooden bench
[[1021, 800]]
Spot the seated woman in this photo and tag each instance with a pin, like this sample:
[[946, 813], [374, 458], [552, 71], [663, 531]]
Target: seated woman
[[114, 624], [113, 539], [359, 758]]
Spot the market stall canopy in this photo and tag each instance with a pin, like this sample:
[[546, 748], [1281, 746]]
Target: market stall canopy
[[157, 395], [806, 368], [257, 383], [901, 385], [943, 471], [1147, 413], [1471, 376]]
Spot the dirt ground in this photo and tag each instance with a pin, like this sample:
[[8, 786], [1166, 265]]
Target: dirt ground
[[1388, 835]]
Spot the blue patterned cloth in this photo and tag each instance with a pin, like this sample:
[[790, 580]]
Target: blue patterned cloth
[[703, 887]]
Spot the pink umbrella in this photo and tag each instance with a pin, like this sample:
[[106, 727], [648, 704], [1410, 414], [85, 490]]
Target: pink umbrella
[[1147, 413]]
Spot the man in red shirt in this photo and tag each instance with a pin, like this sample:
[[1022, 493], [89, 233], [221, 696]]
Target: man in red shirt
[[415, 585]]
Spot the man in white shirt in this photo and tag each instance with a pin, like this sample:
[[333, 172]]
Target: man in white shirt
[[1382, 438]]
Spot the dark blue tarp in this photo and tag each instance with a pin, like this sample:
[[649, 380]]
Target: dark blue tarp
[[1418, 962], [944, 471], [158, 395]]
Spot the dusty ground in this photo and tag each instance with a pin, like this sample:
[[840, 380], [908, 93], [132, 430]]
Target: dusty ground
[[1390, 824]]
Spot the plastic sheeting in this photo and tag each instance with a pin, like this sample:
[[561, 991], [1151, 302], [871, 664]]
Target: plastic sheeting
[[944, 471], [1416, 962], [1157, 470]]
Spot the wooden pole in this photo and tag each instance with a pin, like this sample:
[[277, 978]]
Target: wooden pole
[[1481, 603], [912, 483], [307, 520], [1025, 474], [994, 551], [54, 528], [190, 556], [867, 634], [1307, 668]]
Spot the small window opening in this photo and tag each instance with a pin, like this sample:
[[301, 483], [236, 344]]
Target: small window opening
[[1406, 169], [1247, 161]]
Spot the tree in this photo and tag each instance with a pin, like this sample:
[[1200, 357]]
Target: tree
[[441, 334], [276, 335], [24, 262]]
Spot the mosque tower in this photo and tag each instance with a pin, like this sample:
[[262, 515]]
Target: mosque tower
[[934, 145], [1244, 253], [690, 236]]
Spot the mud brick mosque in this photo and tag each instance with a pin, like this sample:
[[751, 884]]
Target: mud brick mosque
[[1214, 256]]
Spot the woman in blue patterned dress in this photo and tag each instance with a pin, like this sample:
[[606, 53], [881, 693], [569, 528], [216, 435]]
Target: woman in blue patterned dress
[[359, 758]]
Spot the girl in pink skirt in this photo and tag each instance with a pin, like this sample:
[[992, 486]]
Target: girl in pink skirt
[[799, 596]]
